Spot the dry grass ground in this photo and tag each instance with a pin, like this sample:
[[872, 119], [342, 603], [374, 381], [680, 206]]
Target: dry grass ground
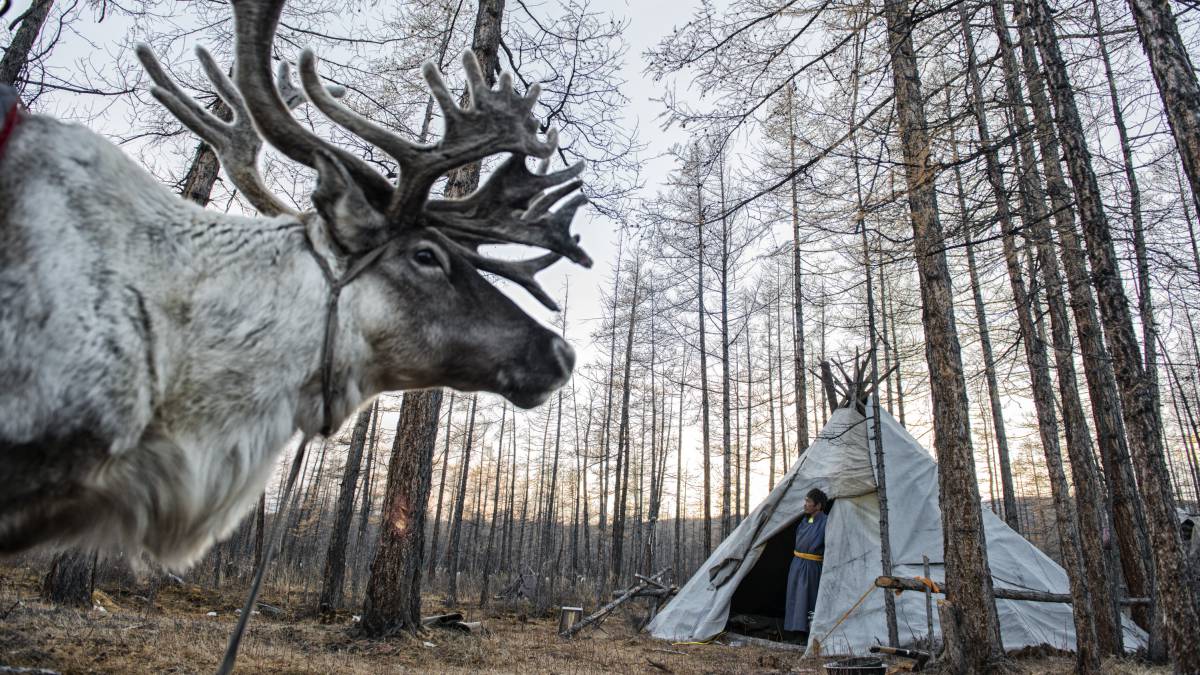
[[177, 636]]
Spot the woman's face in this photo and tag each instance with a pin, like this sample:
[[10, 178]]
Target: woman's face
[[810, 507]]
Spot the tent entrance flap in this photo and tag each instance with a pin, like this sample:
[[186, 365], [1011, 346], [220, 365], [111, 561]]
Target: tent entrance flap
[[763, 591]]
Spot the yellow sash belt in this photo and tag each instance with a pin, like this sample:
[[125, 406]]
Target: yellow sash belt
[[808, 556]]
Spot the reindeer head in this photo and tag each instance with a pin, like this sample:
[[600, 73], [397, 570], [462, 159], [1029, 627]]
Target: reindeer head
[[439, 321]]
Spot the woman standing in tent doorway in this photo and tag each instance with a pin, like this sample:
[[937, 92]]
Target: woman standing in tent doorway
[[804, 576]]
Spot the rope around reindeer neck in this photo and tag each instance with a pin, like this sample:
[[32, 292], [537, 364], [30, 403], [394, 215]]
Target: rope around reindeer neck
[[336, 284]]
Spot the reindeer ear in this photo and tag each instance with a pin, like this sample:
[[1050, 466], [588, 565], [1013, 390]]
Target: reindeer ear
[[352, 221]]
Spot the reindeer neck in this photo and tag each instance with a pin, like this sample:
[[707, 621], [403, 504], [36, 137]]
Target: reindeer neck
[[236, 304], [340, 391]]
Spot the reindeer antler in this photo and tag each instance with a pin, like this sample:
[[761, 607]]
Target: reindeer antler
[[494, 121], [254, 26], [513, 205], [236, 142]]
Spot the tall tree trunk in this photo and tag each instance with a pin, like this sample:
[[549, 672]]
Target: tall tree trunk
[[260, 528], [462, 181], [678, 560], [524, 509], [452, 553], [16, 55], [1098, 370], [1009, 495], [1089, 491], [968, 577], [797, 286], [335, 558], [1175, 596], [580, 515], [726, 440], [71, 579], [884, 336], [749, 410], [647, 562], [875, 430], [549, 518], [364, 511], [770, 404], [1145, 302], [491, 537], [431, 571], [1086, 648], [1145, 298], [622, 492], [599, 569], [705, 450], [393, 599], [511, 508], [1176, 79], [899, 363], [783, 429]]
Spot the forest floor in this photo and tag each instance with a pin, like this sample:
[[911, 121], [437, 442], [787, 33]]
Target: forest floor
[[122, 634]]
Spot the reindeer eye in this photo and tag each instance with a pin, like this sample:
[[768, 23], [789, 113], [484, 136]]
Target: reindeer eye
[[426, 258]]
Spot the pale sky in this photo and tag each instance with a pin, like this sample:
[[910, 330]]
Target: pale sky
[[97, 44]]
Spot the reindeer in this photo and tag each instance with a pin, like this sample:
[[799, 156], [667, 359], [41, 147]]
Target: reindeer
[[155, 356]]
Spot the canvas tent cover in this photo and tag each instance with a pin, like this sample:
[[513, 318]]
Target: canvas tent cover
[[747, 572]]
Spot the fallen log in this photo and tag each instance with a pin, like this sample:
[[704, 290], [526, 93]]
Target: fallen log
[[626, 595], [441, 619], [653, 581], [650, 593], [913, 584]]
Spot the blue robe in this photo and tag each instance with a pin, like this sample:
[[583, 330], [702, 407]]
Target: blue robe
[[804, 576]]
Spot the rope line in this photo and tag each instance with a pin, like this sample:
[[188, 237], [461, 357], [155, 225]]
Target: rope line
[[272, 540], [848, 613]]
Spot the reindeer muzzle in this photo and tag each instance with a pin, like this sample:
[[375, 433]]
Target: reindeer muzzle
[[551, 362]]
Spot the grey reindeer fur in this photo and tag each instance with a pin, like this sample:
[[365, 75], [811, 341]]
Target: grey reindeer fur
[[156, 356]]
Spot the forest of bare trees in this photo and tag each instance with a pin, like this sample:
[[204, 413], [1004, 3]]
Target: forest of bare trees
[[998, 200]]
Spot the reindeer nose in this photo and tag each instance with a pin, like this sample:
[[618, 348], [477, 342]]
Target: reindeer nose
[[563, 355]]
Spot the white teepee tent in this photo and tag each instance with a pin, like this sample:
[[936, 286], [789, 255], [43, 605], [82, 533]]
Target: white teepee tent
[[747, 572]]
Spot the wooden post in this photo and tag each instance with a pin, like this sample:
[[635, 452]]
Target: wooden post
[[567, 617], [928, 605]]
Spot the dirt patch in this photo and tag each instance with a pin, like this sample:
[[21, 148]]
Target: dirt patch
[[174, 633]]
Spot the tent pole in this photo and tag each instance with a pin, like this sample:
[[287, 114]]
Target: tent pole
[[885, 544], [831, 396], [876, 429], [928, 606]]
